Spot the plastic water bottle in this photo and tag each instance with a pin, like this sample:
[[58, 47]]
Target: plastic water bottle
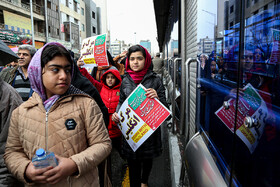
[[44, 159]]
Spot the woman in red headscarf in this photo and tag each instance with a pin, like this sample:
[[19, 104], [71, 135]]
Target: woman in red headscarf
[[138, 69]]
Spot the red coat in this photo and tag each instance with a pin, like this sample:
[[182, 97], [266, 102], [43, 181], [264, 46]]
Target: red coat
[[110, 97]]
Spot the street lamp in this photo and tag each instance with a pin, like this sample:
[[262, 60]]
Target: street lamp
[[46, 21], [214, 15], [32, 24], [135, 38]]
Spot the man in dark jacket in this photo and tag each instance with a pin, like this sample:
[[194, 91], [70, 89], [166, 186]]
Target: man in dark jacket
[[9, 100]]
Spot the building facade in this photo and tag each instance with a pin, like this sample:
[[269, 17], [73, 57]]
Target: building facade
[[205, 45], [15, 22], [116, 47], [146, 44], [91, 18], [64, 21]]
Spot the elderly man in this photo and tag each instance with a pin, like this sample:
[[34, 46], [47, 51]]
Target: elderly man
[[18, 77]]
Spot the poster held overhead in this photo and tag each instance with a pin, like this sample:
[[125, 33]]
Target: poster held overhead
[[94, 52]]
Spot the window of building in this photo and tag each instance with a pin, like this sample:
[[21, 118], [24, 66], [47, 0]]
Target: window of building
[[68, 18], [82, 11], [67, 3], [231, 24], [76, 21], [83, 27], [248, 3], [256, 12], [57, 31], [231, 9], [49, 29], [75, 6], [94, 30], [49, 5], [93, 15]]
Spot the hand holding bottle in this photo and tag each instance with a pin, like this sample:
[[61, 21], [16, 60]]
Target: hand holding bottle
[[50, 174], [36, 175], [66, 167]]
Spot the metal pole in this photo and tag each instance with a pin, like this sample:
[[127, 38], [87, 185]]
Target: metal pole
[[173, 102], [46, 21], [32, 24], [214, 35], [70, 30]]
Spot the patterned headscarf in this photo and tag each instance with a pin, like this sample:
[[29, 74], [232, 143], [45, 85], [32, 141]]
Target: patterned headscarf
[[35, 77], [138, 76]]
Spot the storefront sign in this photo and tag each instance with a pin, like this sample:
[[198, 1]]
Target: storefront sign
[[14, 37]]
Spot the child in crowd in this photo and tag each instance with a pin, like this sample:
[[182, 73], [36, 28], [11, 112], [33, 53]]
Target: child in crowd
[[59, 118], [109, 89], [139, 70]]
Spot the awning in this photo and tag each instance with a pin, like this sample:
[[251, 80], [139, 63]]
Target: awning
[[167, 13]]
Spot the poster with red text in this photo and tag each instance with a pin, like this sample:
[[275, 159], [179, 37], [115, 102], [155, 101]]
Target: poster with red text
[[140, 116], [94, 52], [251, 104]]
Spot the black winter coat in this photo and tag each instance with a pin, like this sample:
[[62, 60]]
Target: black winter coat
[[82, 83], [152, 147]]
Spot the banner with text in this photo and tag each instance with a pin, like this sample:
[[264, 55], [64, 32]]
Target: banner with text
[[250, 104], [140, 116], [94, 51]]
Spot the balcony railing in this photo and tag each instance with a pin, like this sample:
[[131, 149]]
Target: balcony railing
[[38, 9], [25, 6], [13, 2], [40, 34]]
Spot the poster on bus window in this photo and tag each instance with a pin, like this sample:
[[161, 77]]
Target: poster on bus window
[[275, 53], [140, 116], [250, 104], [94, 52]]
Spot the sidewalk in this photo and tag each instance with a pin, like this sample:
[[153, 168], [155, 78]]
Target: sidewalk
[[161, 172]]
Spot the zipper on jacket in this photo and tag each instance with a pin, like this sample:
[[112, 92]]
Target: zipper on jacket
[[46, 132], [69, 180]]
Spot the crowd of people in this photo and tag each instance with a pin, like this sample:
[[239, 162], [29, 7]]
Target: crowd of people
[[48, 100]]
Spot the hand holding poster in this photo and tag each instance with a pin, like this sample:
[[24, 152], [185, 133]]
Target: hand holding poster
[[94, 52], [140, 116]]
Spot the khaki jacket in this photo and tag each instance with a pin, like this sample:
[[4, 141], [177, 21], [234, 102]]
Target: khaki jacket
[[31, 128]]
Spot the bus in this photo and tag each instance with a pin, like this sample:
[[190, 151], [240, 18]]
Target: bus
[[225, 102]]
